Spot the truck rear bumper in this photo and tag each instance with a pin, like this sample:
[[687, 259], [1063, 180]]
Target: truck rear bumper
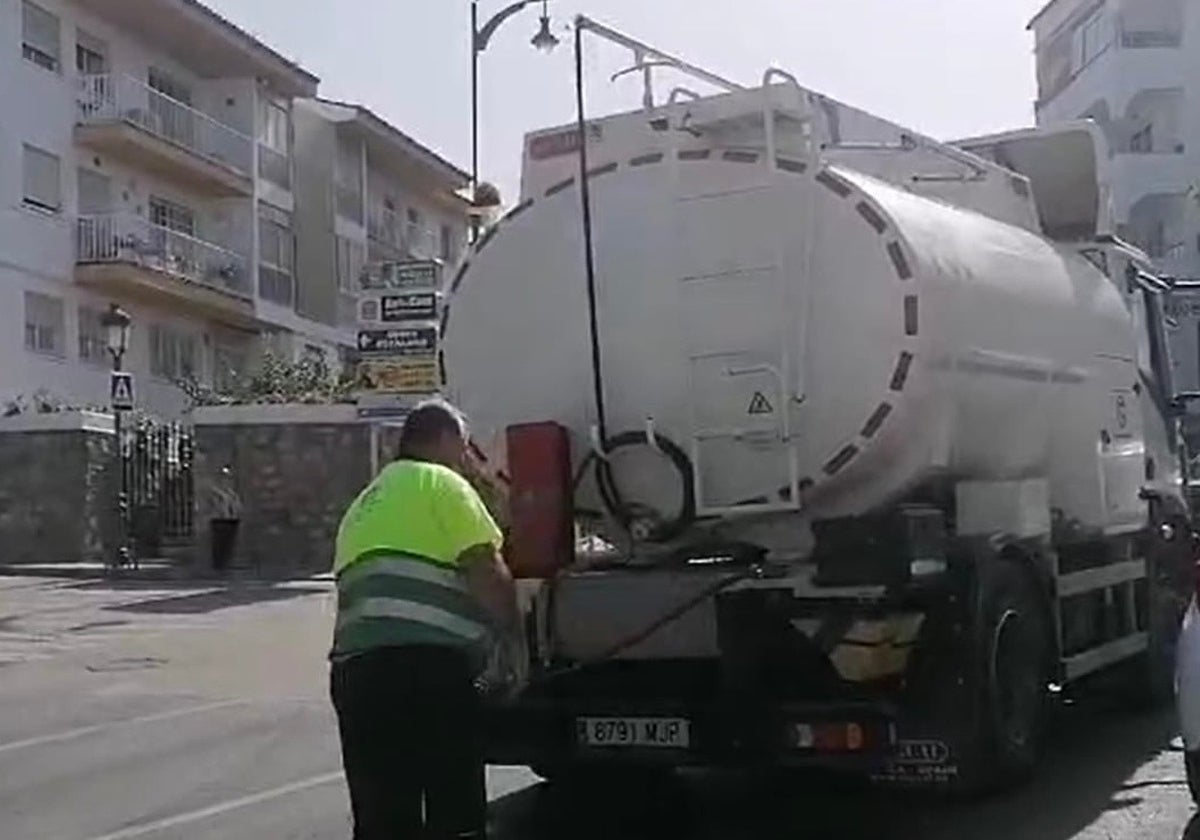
[[857, 737]]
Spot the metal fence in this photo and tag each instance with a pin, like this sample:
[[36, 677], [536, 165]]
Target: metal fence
[[159, 483]]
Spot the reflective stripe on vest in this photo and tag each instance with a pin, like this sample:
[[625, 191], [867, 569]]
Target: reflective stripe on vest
[[397, 599]]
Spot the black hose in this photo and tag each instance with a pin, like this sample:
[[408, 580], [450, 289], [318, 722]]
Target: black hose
[[618, 508], [589, 257], [640, 636]]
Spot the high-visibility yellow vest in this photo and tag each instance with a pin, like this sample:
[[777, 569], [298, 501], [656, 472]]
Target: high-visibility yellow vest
[[396, 561]]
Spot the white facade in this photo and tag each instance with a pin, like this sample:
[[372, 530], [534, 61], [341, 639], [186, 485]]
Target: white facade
[[1133, 66], [145, 159], [367, 194]]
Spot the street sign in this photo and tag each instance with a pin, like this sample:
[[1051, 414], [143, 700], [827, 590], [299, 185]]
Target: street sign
[[120, 391], [412, 375], [398, 341], [398, 308], [417, 274]]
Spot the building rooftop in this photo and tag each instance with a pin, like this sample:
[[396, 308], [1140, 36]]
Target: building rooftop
[[1041, 13], [205, 40], [379, 129]]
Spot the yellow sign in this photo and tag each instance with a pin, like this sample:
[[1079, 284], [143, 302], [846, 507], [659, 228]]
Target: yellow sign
[[410, 375]]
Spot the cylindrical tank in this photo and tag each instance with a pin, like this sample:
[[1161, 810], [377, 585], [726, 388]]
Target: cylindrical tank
[[800, 325]]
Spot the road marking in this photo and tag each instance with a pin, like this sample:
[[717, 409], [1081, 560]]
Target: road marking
[[221, 808], [116, 724]]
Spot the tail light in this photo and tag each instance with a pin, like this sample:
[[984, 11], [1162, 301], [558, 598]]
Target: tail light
[[541, 539]]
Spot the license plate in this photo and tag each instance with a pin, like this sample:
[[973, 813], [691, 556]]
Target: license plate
[[672, 733]]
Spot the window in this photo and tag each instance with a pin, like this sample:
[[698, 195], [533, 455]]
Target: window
[[172, 353], [91, 54], [1092, 40], [273, 125], [351, 257], [43, 324], [93, 340], [276, 254], [39, 32], [94, 192], [447, 243], [41, 182], [168, 85], [172, 216]]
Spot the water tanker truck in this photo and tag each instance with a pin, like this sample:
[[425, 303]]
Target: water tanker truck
[[876, 436]]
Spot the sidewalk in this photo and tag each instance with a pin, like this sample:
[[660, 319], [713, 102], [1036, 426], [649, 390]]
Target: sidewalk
[[149, 570]]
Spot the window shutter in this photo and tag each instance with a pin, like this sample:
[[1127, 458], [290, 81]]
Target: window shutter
[[40, 31], [41, 180]]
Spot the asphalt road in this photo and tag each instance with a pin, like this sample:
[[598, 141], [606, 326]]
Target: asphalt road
[[158, 711]]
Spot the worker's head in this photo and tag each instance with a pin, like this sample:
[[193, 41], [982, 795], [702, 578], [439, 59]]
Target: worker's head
[[435, 431]]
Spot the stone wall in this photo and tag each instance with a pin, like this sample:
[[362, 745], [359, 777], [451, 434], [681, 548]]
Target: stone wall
[[295, 469], [58, 487]]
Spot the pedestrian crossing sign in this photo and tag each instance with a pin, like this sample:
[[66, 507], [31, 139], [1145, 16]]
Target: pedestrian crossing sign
[[120, 391]]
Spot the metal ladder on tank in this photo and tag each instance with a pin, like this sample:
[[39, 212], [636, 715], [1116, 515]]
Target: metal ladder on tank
[[788, 374]]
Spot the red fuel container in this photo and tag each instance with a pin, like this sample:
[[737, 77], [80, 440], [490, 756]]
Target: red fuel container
[[541, 537]]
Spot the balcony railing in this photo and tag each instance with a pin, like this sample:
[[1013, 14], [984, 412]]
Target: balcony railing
[[118, 98], [125, 238], [275, 167]]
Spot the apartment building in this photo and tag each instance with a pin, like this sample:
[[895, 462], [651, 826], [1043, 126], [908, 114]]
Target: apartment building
[[146, 160], [367, 193], [1133, 66]]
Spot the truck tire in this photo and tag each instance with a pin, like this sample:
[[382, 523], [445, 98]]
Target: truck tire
[[1191, 764], [1008, 679]]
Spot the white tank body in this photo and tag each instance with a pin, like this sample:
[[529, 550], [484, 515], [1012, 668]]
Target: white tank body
[[804, 326]]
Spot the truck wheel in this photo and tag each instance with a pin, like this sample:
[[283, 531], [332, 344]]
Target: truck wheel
[[1191, 764], [1011, 676]]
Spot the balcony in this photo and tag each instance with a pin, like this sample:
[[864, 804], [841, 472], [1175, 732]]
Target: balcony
[[126, 118], [274, 167], [349, 200], [385, 228], [125, 255], [395, 239]]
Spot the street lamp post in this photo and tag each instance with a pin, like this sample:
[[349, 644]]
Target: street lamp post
[[544, 40], [117, 323]]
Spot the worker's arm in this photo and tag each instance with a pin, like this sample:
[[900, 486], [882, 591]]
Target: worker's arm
[[491, 584], [478, 540]]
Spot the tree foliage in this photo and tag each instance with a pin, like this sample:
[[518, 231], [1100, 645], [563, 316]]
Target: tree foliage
[[275, 381]]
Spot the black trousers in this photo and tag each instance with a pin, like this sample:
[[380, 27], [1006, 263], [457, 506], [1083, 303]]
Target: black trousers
[[224, 535], [410, 725]]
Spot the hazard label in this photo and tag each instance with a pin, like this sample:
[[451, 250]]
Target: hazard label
[[760, 404]]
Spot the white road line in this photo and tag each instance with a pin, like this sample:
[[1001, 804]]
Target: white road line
[[220, 808], [116, 724]]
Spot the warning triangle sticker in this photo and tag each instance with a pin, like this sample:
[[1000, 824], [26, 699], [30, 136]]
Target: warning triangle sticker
[[760, 404]]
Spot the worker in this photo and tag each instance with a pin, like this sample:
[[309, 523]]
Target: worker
[[422, 591]]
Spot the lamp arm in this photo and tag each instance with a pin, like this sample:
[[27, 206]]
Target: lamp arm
[[484, 35]]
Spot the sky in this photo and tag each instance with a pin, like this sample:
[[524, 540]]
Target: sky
[[948, 68]]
